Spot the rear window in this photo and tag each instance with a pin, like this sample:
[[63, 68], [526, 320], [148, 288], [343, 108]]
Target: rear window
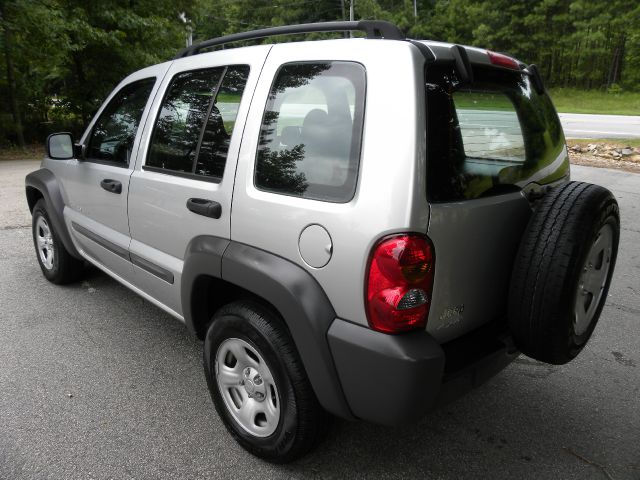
[[491, 137], [489, 126]]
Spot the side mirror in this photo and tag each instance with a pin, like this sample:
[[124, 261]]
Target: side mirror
[[60, 146]]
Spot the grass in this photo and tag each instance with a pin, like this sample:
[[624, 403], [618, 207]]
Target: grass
[[617, 142], [225, 97], [566, 100], [569, 100], [482, 101], [31, 152]]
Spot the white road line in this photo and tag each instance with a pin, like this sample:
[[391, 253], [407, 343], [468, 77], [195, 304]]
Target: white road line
[[617, 132]]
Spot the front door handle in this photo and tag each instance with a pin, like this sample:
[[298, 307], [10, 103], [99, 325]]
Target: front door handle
[[112, 186], [205, 207]]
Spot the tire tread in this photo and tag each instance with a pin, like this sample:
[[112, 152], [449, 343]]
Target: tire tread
[[545, 272], [312, 419]]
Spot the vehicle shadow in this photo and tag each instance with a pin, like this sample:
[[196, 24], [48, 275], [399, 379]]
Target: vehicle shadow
[[531, 420], [505, 429]]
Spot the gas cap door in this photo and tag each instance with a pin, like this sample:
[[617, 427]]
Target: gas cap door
[[315, 246]]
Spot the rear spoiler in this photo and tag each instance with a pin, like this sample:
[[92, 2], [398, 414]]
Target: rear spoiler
[[464, 59], [536, 79]]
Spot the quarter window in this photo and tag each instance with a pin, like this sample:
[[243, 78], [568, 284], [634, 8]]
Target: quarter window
[[196, 120], [115, 130], [311, 131]]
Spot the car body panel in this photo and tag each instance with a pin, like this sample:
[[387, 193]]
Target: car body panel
[[475, 243], [161, 225], [87, 203], [390, 195]]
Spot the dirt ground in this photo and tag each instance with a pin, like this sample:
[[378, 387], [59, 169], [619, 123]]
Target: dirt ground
[[593, 153]]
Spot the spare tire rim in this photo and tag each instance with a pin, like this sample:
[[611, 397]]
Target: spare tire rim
[[247, 387], [44, 240], [593, 280]]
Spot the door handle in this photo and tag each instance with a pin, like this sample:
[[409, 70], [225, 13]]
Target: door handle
[[205, 207], [112, 186]]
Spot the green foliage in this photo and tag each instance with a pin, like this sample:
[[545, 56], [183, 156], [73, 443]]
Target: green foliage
[[578, 43], [67, 55], [614, 102], [62, 57]]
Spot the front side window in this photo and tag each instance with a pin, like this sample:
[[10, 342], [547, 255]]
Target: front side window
[[196, 119], [112, 137], [311, 131]]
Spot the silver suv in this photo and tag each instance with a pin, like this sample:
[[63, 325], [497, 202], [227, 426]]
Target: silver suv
[[366, 227]]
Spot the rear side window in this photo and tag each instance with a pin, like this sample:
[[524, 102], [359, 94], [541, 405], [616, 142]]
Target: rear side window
[[311, 131], [193, 130], [490, 137], [212, 154]]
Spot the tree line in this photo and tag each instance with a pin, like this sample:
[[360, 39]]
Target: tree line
[[62, 57]]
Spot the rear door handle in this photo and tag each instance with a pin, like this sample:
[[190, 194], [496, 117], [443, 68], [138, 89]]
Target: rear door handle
[[112, 186], [205, 207]]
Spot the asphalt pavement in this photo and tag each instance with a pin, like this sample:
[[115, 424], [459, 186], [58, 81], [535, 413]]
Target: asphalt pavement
[[577, 125], [95, 382]]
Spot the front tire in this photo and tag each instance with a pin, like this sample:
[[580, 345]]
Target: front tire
[[258, 384], [57, 265]]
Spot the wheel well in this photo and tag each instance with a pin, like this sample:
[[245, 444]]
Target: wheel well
[[33, 195], [209, 294]]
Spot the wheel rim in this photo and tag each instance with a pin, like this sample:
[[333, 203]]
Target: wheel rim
[[593, 280], [44, 240], [247, 387]]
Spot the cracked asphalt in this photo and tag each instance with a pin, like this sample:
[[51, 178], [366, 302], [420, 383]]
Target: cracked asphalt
[[95, 382]]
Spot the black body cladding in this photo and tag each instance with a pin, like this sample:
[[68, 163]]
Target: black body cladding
[[43, 184]]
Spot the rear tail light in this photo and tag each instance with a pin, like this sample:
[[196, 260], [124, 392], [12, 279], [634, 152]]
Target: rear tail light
[[503, 60], [399, 283]]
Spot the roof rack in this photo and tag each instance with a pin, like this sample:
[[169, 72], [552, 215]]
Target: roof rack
[[373, 29]]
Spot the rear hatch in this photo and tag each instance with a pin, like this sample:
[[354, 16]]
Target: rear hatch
[[494, 142]]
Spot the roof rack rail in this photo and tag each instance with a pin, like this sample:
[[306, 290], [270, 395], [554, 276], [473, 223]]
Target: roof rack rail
[[373, 29]]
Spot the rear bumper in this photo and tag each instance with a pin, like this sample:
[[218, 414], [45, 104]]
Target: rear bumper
[[394, 379]]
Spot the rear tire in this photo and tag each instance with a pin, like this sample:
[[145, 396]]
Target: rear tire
[[252, 365], [57, 265], [563, 270]]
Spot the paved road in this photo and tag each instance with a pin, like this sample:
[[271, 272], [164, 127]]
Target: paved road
[[575, 125], [578, 125], [97, 383]]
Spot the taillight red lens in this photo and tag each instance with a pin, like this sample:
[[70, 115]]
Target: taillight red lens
[[503, 60], [399, 283]]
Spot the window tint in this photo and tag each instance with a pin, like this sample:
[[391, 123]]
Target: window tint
[[212, 155], [114, 132], [182, 115], [196, 120], [311, 132], [489, 126], [491, 137]]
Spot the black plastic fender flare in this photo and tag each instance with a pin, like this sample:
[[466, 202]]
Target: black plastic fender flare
[[296, 295], [45, 182]]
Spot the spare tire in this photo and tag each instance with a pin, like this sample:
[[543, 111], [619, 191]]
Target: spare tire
[[562, 271]]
